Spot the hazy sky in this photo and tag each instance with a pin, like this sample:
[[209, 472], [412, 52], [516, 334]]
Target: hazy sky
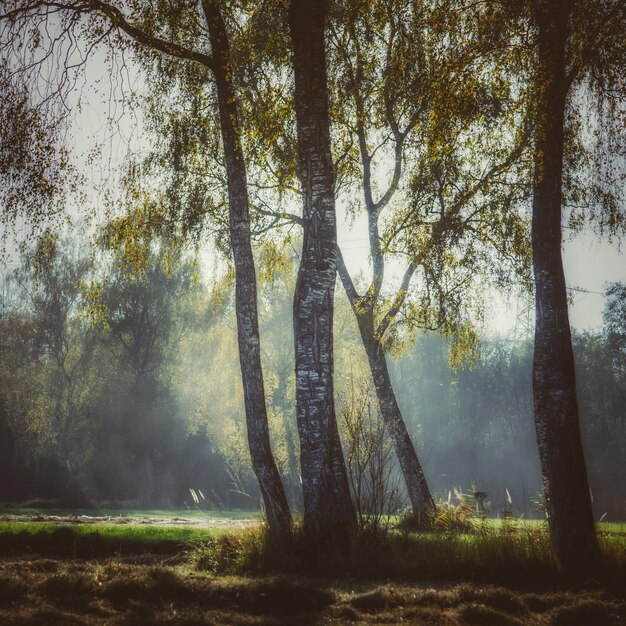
[[590, 263]]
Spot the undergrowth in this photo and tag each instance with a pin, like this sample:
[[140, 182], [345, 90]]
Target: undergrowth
[[501, 556]]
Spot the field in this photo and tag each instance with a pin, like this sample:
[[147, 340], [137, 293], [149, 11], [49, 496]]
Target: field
[[175, 567]]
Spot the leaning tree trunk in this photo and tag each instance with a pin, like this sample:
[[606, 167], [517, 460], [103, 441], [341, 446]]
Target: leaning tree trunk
[[328, 508], [422, 503], [274, 498], [554, 382]]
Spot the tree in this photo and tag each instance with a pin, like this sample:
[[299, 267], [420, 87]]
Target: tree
[[156, 36], [328, 508], [615, 325], [51, 277], [574, 41], [144, 318], [437, 150], [419, 112], [34, 165], [601, 393], [245, 279]]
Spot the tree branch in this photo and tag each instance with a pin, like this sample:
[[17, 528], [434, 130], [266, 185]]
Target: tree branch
[[398, 301], [346, 280], [118, 20]]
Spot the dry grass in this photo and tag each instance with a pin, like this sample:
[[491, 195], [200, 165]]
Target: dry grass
[[231, 579], [521, 558], [38, 591], [44, 591]]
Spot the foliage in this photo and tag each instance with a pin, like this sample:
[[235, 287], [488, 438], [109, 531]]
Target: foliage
[[453, 517], [432, 106], [159, 407], [615, 326], [430, 133], [62, 346], [102, 398], [35, 167]]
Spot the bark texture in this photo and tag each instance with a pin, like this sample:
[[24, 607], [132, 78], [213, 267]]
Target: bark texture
[[328, 508], [274, 498], [554, 380]]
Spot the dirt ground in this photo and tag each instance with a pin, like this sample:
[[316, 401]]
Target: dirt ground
[[136, 520], [150, 590]]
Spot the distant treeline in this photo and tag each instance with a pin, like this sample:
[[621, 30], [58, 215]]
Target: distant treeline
[[124, 388]]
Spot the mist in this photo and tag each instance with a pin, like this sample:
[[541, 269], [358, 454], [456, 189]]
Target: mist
[[123, 388]]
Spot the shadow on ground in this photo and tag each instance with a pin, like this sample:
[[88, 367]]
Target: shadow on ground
[[141, 591]]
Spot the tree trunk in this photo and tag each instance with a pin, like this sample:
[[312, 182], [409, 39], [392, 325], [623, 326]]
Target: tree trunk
[[328, 508], [422, 503], [554, 380], [274, 498]]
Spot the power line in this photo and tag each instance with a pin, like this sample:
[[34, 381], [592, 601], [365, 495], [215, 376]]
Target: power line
[[586, 291]]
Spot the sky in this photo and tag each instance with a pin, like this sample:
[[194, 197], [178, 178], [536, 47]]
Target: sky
[[591, 263]]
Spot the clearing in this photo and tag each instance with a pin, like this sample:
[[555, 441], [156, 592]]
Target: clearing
[[194, 567]]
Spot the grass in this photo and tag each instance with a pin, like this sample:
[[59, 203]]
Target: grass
[[497, 574], [613, 528], [513, 558], [56, 592], [72, 533], [115, 531], [492, 551], [112, 592], [90, 541]]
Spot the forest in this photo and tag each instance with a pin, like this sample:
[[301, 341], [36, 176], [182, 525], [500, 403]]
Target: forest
[[144, 404], [285, 312]]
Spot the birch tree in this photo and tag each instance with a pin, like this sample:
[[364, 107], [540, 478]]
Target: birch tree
[[185, 32], [328, 507], [433, 142], [575, 43]]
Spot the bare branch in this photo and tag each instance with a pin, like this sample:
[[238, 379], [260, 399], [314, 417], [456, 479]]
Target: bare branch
[[398, 301], [118, 20]]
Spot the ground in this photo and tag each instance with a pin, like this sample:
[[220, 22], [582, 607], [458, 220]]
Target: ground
[[113, 568], [113, 591]]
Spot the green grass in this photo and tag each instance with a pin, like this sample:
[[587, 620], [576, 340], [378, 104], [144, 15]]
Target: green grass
[[612, 527], [611, 533], [509, 551], [538, 524], [523, 523], [147, 532], [99, 540], [129, 532]]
